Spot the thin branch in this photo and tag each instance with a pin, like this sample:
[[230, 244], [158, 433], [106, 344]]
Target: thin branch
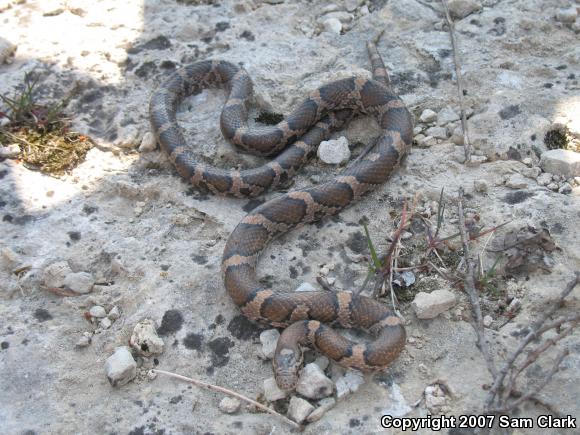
[[466, 143], [507, 408], [537, 330], [469, 286], [229, 393]]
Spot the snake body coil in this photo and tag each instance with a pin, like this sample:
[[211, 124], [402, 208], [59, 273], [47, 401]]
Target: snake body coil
[[305, 315]]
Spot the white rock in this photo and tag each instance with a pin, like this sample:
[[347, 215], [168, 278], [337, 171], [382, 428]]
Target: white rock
[[561, 162], [334, 152], [434, 397], [459, 9], [120, 367], [145, 339], [79, 282], [97, 312], [544, 179], [457, 136], [148, 143], [427, 141], [323, 407], [516, 181], [53, 275], [332, 7], [10, 259], [480, 186], [10, 151], [430, 305], [343, 17], [565, 188], [7, 50], [553, 186], [487, 321], [313, 383], [437, 132], [269, 339], [427, 116], [84, 341], [567, 15], [332, 25], [447, 115], [349, 383], [229, 405], [459, 154], [272, 392], [299, 409], [533, 172], [105, 323], [114, 314], [352, 5], [306, 287], [528, 162]]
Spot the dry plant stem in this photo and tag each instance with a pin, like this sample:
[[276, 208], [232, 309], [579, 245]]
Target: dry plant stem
[[534, 354], [537, 330], [469, 285], [466, 143], [229, 393], [509, 407]]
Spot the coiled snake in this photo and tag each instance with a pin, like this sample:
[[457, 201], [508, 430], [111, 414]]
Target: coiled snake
[[305, 315]]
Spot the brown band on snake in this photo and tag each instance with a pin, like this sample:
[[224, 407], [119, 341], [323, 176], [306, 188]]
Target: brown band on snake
[[306, 314]]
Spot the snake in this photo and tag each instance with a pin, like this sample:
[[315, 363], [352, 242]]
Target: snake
[[308, 318]]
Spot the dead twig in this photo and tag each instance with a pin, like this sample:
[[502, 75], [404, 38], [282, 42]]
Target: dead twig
[[466, 142], [229, 393], [469, 287], [498, 392]]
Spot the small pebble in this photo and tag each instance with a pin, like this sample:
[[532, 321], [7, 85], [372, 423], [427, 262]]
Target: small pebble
[[10, 151], [561, 162], [460, 9], [487, 321], [114, 314], [97, 312], [306, 287], [528, 162], [53, 275], [428, 116], [145, 339], [567, 15], [334, 152], [447, 115], [229, 405], [148, 143], [84, 341], [105, 323], [437, 132], [565, 188], [430, 305], [480, 186], [313, 383], [324, 406], [79, 282], [348, 383], [553, 186], [332, 25], [516, 181], [269, 340], [299, 409], [544, 179], [120, 367]]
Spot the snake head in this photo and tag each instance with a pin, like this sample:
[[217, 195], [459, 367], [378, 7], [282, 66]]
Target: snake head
[[286, 363]]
